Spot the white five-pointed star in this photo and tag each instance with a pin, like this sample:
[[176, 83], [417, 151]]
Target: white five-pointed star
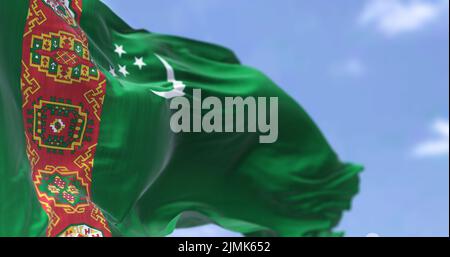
[[123, 70], [139, 62], [112, 71], [119, 50]]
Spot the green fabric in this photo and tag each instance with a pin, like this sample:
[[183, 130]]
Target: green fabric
[[149, 180], [20, 211]]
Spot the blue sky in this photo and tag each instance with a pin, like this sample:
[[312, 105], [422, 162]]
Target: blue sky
[[374, 76]]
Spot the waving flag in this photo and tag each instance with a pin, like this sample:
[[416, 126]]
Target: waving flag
[[87, 147]]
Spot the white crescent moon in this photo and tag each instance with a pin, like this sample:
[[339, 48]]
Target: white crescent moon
[[178, 86]]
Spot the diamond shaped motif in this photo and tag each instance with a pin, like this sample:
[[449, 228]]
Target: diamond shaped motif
[[58, 125]]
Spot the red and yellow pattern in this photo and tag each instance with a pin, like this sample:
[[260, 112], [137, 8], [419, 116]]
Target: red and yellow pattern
[[62, 97], [62, 57]]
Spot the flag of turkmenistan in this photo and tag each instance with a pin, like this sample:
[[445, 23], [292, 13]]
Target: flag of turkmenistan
[[87, 147]]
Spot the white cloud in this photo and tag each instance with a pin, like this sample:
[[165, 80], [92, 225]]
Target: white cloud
[[437, 146], [393, 17], [352, 67]]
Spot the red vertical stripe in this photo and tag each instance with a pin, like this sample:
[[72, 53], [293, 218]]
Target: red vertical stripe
[[62, 92]]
